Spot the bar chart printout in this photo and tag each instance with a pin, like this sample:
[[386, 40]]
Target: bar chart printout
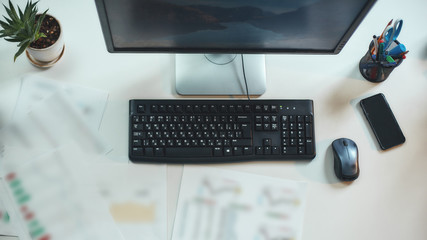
[[55, 199]]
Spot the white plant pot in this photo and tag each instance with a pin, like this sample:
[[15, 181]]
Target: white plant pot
[[46, 57]]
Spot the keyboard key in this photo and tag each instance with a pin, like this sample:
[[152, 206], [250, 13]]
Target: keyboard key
[[135, 119], [285, 118], [170, 108], [138, 134], [247, 150], [205, 108], [197, 109], [189, 109], [292, 142], [243, 119], [158, 152], [275, 150], [149, 152], [308, 130], [228, 151], [309, 147], [213, 108], [218, 152], [274, 127], [240, 109], [154, 108], [266, 108], [178, 109], [141, 108], [188, 152], [289, 150], [285, 126], [266, 119], [274, 109], [237, 151], [136, 143], [273, 119], [231, 109], [137, 151], [292, 134], [137, 126], [267, 150], [241, 142]]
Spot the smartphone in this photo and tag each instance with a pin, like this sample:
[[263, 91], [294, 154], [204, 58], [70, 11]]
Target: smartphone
[[383, 123]]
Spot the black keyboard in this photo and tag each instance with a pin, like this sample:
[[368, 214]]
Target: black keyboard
[[219, 131]]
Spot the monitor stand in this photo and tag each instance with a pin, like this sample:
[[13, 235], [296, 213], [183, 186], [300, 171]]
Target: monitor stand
[[219, 74]]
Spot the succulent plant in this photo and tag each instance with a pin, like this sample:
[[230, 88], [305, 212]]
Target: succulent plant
[[22, 27]]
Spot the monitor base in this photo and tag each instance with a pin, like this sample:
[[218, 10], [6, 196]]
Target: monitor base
[[219, 74]]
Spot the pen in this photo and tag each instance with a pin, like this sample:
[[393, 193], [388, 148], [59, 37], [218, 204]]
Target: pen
[[374, 49], [404, 53], [401, 56]]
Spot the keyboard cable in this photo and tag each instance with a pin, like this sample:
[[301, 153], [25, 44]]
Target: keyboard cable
[[244, 77]]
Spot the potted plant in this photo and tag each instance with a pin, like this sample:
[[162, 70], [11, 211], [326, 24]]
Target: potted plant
[[40, 35]]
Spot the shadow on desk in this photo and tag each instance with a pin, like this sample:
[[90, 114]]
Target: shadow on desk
[[321, 168], [348, 88]]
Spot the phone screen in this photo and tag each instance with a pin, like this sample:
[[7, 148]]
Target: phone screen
[[382, 121]]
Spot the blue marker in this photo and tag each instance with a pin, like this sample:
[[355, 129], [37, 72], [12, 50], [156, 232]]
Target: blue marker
[[396, 51]]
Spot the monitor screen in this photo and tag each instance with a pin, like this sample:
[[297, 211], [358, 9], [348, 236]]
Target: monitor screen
[[239, 26]]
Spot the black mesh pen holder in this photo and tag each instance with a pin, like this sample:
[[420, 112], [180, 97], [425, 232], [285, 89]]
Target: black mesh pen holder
[[374, 70]]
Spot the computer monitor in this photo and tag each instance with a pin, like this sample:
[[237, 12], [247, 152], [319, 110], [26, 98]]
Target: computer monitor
[[208, 35]]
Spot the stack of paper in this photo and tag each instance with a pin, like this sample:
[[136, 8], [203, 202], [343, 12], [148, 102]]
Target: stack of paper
[[55, 181]]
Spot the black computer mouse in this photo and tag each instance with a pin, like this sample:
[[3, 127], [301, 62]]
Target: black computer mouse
[[346, 159]]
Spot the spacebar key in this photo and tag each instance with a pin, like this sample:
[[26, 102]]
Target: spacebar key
[[188, 152]]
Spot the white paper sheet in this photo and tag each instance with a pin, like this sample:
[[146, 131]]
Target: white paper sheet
[[222, 204], [51, 124], [90, 102], [136, 196]]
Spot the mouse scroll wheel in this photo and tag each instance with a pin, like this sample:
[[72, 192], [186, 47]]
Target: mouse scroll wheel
[[345, 143]]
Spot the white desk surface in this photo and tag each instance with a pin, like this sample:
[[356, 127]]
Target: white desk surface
[[387, 201]]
